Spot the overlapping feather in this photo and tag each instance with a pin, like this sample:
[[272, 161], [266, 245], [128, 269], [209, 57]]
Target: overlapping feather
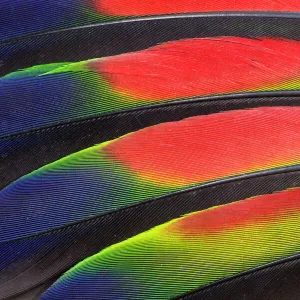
[[25, 17], [61, 92], [147, 164], [185, 253], [190, 252]]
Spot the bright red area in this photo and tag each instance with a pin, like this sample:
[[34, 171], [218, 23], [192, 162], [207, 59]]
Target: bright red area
[[215, 146], [199, 67], [258, 210], [157, 7]]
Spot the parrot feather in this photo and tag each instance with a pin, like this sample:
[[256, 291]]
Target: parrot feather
[[147, 164], [49, 216], [190, 252], [27, 17], [49, 94]]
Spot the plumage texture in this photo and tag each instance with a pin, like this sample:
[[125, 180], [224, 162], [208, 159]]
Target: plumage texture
[[24, 17], [147, 164], [156, 7], [61, 92], [189, 252]]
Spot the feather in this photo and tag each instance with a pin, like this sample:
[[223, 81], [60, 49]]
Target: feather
[[49, 94], [143, 8], [66, 211], [148, 164], [190, 252], [25, 17]]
